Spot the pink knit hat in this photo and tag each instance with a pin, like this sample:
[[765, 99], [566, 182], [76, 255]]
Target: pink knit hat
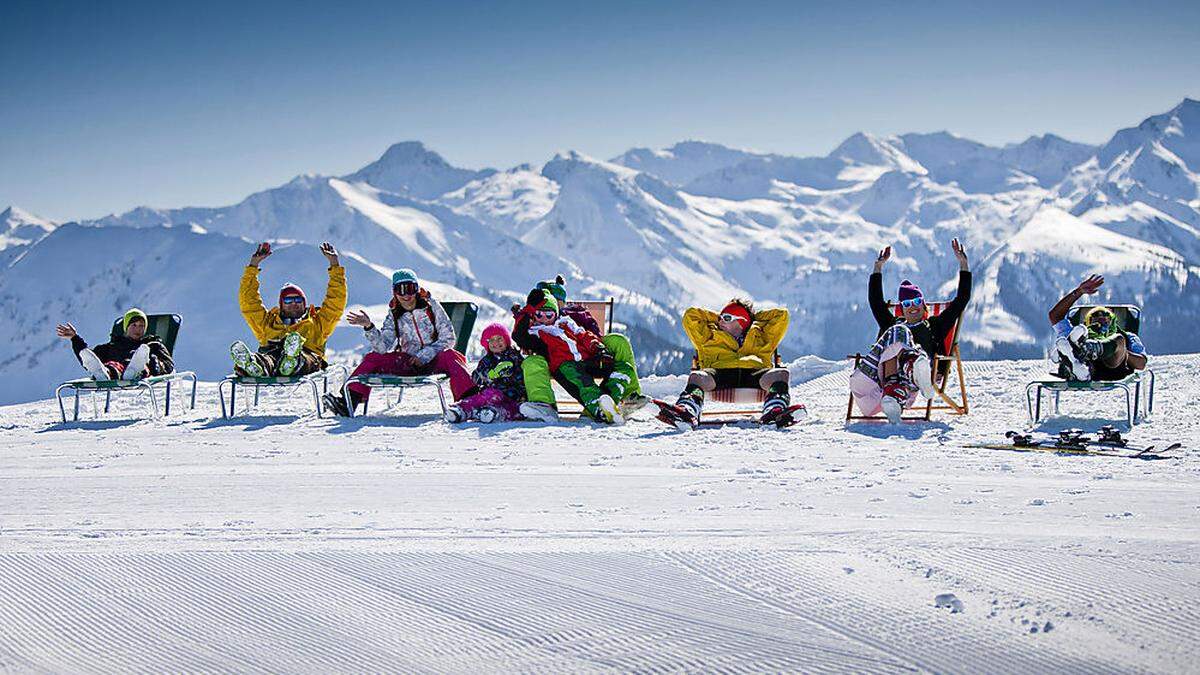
[[495, 329]]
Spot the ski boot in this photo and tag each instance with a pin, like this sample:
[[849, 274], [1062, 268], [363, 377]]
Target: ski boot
[[244, 361], [137, 364], [455, 414], [632, 404], [604, 409], [895, 393], [290, 360], [920, 373], [539, 412], [487, 414], [684, 414], [336, 404], [94, 365]]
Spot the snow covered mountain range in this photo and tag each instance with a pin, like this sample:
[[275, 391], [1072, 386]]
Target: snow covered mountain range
[[660, 230]]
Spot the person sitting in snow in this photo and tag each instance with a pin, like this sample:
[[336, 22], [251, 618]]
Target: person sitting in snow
[[1098, 348], [416, 338], [899, 364], [292, 336], [129, 355], [624, 386], [498, 380], [574, 355], [734, 348]]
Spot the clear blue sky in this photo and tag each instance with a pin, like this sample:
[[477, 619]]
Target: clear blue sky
[[106, 106]]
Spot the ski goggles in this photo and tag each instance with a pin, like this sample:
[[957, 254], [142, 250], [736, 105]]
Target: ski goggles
[[405, 288], [912, 302], [545, 313], [728, 318], [291, 300]]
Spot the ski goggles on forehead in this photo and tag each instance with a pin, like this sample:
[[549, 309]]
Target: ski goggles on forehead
[[405, 288], [292, 300], [913, 302]]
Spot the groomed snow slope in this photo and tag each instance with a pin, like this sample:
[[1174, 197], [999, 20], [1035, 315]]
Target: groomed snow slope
[[398, 543]]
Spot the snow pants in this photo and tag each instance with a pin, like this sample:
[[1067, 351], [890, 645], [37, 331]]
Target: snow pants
[[447, 362], [866, 382], [620, 384], [491, 397]]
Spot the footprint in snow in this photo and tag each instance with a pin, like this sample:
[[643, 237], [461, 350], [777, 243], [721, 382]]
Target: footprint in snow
[[948, 601]]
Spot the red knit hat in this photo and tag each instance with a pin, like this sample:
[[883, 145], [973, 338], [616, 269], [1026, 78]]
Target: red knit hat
[[739, 311], [290, 289]]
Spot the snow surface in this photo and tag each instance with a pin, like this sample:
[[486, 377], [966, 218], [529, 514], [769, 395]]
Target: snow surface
[[398, 543]]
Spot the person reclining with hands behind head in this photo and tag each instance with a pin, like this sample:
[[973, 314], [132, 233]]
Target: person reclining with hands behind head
[[899, 364], [1098, 348], [416, 338], [131, 355], [291, 336], [735, 348]]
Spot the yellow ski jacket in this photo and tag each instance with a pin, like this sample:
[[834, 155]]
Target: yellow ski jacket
[[717, 349]]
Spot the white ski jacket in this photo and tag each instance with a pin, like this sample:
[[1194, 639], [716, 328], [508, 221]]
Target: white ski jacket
[[423, 332]]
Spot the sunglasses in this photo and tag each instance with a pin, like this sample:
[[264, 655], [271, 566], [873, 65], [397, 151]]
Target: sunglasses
[[545, 314], [292, 300], [912, 302], [405, 288], [727, 317]]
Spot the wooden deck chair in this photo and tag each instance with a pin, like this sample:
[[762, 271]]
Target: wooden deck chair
[[602, 312], [944, 366], [462, 317], [1137, 406], [743, 397], [166, 327]]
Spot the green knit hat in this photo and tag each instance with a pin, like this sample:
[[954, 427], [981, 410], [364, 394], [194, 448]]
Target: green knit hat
[[132, 314], [549, 302]]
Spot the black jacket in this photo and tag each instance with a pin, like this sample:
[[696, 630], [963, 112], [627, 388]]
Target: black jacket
[[930, 333], [121, 349]]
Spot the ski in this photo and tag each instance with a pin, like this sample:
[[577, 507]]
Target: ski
[[674, 416], [1076, 442]]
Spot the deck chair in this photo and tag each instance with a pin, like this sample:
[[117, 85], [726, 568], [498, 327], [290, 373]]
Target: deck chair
[[1138, 407], [462, 317], [944, 366], [602, 312], [743, 397], [165, 326]]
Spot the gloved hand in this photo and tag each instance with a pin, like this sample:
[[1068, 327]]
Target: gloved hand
[[602, 362]]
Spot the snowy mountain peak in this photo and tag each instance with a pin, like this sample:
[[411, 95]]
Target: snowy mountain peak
[[685, 161], [864, 148], [411, 169], [14, 217]]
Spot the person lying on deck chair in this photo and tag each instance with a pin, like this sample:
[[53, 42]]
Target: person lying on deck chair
[[1098, 348], [129, 356], [541, 405], [292, 336], [416, 338], [735, 348], [899, 364]]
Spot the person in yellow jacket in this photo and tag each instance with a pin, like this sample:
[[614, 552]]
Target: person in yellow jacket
[[735, 348], [291, 337]]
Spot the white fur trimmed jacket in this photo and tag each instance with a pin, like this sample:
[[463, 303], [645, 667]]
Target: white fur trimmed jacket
[[422, 332]]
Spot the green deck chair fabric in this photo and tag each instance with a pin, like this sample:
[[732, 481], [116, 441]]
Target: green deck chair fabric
[[165, 326], [462, 317]]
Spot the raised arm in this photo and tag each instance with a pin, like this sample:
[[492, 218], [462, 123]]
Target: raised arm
[[698, 324], [1088, 286], [335, 291]]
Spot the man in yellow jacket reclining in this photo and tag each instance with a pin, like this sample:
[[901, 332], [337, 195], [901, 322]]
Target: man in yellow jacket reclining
[[735, 348], [292, 336]]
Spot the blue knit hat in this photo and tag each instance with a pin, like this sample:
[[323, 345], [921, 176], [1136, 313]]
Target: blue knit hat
[[404, 274]]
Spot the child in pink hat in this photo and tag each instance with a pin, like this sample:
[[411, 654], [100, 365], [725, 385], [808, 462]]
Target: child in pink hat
[[501, 386]]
